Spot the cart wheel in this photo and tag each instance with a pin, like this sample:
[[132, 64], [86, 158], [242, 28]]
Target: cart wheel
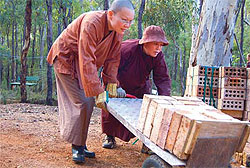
[[155, 161]]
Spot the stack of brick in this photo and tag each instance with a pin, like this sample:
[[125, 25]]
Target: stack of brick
[[202, 82], [232, 91], [180, 124]]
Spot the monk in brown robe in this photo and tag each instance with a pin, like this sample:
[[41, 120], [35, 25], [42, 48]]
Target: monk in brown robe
[[91, 41], [138, 59]]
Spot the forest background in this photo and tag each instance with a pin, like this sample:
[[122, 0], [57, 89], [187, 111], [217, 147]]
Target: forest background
[[50, 17]]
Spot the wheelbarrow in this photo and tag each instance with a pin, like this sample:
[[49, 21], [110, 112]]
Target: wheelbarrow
[[127, 111]]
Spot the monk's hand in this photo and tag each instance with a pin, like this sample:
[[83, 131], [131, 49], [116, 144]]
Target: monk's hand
[[121, 93], [112, 89], [102, 100]]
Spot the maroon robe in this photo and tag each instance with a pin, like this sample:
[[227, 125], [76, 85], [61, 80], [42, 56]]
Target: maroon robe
[[133, 75]]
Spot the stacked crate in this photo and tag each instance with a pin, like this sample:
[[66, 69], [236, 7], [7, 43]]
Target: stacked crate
[[202, 82], [186, 125], [232, 91]]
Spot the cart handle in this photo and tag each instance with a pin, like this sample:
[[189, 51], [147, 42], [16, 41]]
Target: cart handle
[[130, 96]]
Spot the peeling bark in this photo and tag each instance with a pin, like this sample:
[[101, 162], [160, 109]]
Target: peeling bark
[[25, 51], [213, 46]]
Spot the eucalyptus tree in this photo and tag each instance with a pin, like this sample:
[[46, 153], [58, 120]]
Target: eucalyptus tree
[[140, 13], [28, 12], [214, 42], [242, 31], [49, 44]]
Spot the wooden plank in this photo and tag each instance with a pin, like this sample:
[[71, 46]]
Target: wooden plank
[[163, 127], [151, 115], [213, 152], [247, 105], [187, 91], [248, 91], [192, 137], [210, 129], [181, 138], [234, 113], [248, 73], [158, 121], [245, 116], [207, 112], [173, 130], [243, 139], [144, 110], [193, 99]]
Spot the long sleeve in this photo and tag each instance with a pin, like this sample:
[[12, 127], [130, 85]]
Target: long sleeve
[[87, 60], [111, 64], [161, 77]]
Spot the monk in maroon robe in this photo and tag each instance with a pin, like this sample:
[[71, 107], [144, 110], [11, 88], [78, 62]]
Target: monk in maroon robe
[[138, 59]]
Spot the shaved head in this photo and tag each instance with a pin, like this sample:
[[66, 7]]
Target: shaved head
[[117, 5]]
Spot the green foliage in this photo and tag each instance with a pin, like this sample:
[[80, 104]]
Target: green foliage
[[167, 14], [175, 88], [174, 16], [9, 96]]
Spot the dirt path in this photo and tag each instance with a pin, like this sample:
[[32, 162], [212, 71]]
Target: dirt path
[[29, 137]]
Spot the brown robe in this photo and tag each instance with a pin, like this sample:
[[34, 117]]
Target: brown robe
[[82, 48], [133, 74]]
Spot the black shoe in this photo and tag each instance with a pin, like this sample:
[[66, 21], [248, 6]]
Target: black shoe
[[78, 154], [109, 142], [88, 153], [146, 150]]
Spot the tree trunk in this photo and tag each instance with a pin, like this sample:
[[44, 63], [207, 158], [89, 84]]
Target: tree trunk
[[49, 42], [175, 63], [106, 5], [42, 42], [242, 31], [213, 45], [69, 16], [24, 33], [16, 52], [1, 72], [178, 50], [13, 52], [195, 18], [8, 75], [63, 6], [59, 24], [28, 11], [8, 66], [33, 49], [184, 67], [8, 35], [141, 10]]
